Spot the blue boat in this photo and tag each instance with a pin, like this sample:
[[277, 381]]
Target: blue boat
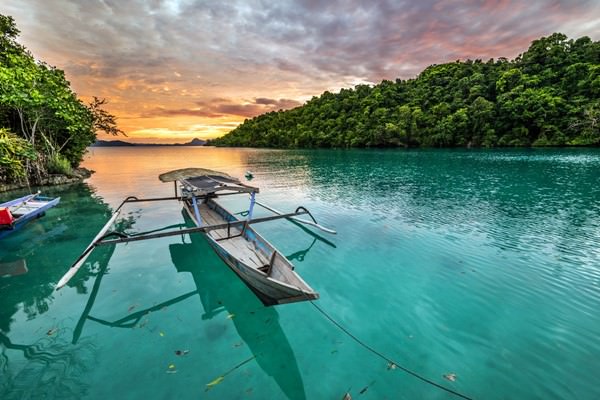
[[16, 213]]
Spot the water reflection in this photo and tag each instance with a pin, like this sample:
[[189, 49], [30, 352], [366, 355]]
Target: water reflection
[[487, 255], [504, 194], [49, 368], [34, 250], [220, 291], [500, 193], [258, 326], [13, 268], [30, 265], [137, 169], [301, 254]]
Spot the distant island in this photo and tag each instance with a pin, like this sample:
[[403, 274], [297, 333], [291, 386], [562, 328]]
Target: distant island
[[121, 143], [547, 96]]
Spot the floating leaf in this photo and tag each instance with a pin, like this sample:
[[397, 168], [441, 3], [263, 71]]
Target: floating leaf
[[161, 334], [171, 369], [366, 387], [450, 377], [214, 383]]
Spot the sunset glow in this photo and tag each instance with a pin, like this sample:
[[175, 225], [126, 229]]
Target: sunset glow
[[176, 70]]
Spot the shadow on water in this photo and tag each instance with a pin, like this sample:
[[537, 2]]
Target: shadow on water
[[220, 291], [299, 255], [258, 326]]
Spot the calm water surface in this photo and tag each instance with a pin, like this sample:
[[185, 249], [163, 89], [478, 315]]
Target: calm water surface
[[482, 264]]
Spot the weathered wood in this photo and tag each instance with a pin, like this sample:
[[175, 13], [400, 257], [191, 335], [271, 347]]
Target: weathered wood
[[264, 270], [136, 200], [25, 209], [185, 173], [270, 275], [238, 247], [204, 229]]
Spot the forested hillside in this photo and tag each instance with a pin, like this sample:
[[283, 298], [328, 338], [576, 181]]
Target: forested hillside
[[548, 96]]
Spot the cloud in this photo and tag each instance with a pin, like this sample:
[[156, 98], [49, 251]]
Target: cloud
[[219, 107], [283, 104], [198, 112], [175, 57]]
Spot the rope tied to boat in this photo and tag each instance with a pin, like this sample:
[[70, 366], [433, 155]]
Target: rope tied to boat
[[302, 208], [384, 357]]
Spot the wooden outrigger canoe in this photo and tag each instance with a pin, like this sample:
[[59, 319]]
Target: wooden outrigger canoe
[[16, 213], [264, 269], [260, 266]]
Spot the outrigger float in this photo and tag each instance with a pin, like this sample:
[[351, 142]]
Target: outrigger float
[[268, 273]]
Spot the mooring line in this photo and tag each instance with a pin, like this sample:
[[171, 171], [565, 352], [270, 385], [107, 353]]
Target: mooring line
[[386, 358]]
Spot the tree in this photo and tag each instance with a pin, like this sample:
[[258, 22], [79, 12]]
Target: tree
[[37, 103], [14, 152], [545, 97]]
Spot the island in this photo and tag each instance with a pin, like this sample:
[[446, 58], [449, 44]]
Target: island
[[547, 96], [122, 143]]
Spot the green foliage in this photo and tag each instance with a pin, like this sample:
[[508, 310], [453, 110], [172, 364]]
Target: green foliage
[[102, 120], [58, 164], [37, 103], [545, 97], [14, 154]]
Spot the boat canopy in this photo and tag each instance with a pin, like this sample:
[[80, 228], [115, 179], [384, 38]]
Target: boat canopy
[[200, 181]]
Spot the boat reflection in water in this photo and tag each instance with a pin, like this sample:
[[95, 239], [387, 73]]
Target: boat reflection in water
[[257, 325], [221, 292]]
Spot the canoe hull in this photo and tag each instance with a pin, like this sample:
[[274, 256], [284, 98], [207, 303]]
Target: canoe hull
[[267, 289]]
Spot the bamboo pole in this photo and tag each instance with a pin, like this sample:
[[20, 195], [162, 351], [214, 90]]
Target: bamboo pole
[[300, 220]]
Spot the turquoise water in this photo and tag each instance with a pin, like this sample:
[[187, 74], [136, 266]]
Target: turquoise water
[[482, 264]]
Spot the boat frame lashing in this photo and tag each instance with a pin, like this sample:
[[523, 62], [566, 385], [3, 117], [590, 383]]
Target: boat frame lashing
[[259, 264]]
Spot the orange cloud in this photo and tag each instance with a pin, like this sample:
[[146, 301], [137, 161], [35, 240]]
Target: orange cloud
[[172, 71]]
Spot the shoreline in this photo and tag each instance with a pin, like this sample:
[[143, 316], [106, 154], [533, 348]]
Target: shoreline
[[78, 175]]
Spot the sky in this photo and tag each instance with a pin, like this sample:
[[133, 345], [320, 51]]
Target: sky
[[173, 70]]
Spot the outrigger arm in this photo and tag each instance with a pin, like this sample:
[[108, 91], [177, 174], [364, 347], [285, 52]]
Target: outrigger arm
[[88, 250], [300, 220], [102, 236]]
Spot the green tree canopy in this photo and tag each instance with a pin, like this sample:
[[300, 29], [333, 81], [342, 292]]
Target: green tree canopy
[[38, 105], [548, 96]]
